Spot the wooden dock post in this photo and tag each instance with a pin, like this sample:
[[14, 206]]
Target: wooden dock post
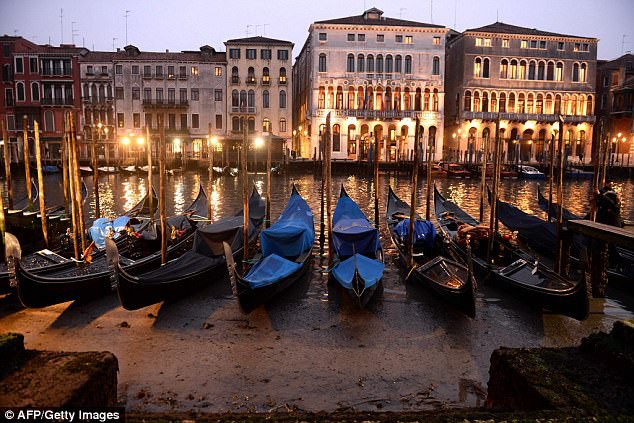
[[245, 191], [164, 228], [7, 165], [412, 210], [40, 180], [150, 190], [27, 161]]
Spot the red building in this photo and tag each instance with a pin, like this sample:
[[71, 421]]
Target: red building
[[40, 82]]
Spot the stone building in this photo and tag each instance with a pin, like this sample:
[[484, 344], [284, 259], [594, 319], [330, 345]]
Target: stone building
[[528, 78], [259, 93], [374, 75], [40, 82], [615, 98]]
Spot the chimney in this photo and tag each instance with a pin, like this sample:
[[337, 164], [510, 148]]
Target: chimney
[[167, 50], [118, 49]]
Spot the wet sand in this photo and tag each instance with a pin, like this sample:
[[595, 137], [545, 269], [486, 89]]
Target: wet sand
[[309, 350]]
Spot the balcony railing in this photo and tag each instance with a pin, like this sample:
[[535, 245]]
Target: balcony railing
[[250, 80], [282, 80], [235, 79], [56, 72], [57, 101], [266, 80], [96, 100], [523, 117], [378, 114], [251, 110], [165, 103]]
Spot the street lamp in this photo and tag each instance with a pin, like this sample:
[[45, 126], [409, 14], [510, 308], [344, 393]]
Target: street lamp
[[259, 142]]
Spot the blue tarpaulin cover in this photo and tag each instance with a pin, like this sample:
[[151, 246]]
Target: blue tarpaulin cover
[[269, 270], [351, 227], [370, 270], [424, 232], [99, 229], [293, 233]]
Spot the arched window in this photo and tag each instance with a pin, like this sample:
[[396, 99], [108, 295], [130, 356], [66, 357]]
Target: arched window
[[513, 69], [235, 75], [494, 102], [379, 63], [477, 68], [35, 91], [321, 99], [467, 101], [539, 105], [426, 100], [573, 105], [351, 98], [339, 99], [559, 72], [407, 101], [557, 104], [235, 124], [485, 101], [20, 91], [521, 105], [408, 64], [435, 68], [251, 123], [398, 64], [243, 98], [266, 77], [251, 98], [589, 106], [361, 63], [282, 99], [417, 100], [266, 125], [282, 76], [530, 102], [86, 91], [485, 68], [531, 70], [550, 71], [583, 73], [504, 69], [541, 70], [502, 102], [476, 102], [350, 65], [548, 107], [566, 105], [389, 68], [434, 103], [521, 72], [102, 93], [265, 99], [322, 62], [575, 72], [235, 98], [336, 137], [251, 75], [370, 63], [512, 103], [283, 125]]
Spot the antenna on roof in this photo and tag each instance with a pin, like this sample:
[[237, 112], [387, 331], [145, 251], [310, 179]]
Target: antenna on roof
[[623, 44], [256, 29], [248, 32], [61, 24], [431, 11], [497, 15], [400, 12], [264, 26], [113, 40], [127, 12], [73, 32]]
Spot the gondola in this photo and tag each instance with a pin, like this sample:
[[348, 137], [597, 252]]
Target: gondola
[[358, 255], [511, 268], [448, 278], [542, 236], [543, 204], [128, 170], [198, 267], [93, 278], [284, 257]]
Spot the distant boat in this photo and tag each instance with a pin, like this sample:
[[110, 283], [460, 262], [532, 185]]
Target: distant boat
[[575, 173], [108, 169], [455, 170], [529, 172]]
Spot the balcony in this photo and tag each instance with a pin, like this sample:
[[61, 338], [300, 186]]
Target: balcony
[[523, 117], [56, 72], [251, 110], [282, 80], [250, 80], [97, 100], [57, 101], [378, 114], [266, 80], [235, 80], [165, 104]]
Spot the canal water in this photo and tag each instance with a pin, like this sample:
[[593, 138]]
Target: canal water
[[311, 349]]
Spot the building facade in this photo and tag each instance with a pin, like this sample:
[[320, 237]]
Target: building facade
[[40, 82], [615, 102], [374, 75], [259, 93], [528, 78]]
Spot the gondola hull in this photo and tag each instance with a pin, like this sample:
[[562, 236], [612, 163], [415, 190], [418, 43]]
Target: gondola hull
[[530, 281], [447, 278]]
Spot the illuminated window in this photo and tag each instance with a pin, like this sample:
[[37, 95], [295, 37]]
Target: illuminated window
[[436, 41], [478, 42], [487, 42], [524, 44], [218, 71], [194, 70], [409, 39], [505, 43]]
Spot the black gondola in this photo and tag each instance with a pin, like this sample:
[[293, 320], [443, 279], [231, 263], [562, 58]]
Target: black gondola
[[542, 236], [448, 278], [93, 279], [200, 266], [286, 250], [511, 268]]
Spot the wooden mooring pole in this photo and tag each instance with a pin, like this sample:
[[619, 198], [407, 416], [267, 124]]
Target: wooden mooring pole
[[7, 165], [412, 209], [40, 180]]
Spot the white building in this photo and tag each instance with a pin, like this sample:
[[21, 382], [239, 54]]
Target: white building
[[259, 91], [375, 75]]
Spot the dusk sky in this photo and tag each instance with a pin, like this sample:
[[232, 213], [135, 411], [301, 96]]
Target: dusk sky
[[156, 25]]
